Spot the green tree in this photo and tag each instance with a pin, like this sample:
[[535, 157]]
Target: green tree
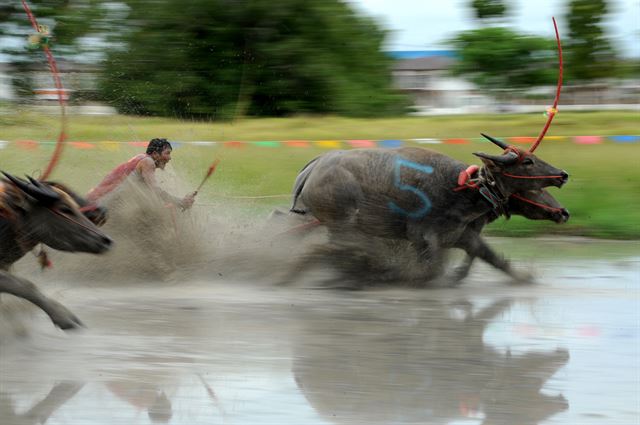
[[499, 58], [74, 28], [485, 9], [213, 59], [69, 22], [589, 53]]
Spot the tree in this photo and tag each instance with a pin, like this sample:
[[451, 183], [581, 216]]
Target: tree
[[220, 58], [589, 54], [74, 27], [485, 9], [69, 22], [499, 58]]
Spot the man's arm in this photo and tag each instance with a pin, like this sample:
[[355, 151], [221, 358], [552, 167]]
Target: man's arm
[[147, 169]]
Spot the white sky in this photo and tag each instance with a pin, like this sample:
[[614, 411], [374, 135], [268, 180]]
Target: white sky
[[424, 24]]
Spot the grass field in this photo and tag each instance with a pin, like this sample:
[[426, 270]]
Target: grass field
[[603, 193]]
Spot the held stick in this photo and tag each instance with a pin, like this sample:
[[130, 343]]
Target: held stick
[[211, 170]]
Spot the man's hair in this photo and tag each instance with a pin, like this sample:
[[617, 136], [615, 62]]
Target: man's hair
[[158, 145]]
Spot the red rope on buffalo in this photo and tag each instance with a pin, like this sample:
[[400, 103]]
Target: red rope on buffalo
[[62, 137]]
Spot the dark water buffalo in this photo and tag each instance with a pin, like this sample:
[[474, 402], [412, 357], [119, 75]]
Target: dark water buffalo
[[415, 194], [34, 212]]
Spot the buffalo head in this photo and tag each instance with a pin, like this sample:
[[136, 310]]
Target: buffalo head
[[49, 215], [519, 170]]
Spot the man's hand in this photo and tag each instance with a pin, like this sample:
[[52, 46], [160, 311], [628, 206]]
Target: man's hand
[[187, 201]]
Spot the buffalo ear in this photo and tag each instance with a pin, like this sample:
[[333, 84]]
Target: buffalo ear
[[486, 160], [508, 158]]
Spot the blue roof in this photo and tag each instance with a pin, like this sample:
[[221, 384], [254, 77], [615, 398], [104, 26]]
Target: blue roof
[[414, 54]]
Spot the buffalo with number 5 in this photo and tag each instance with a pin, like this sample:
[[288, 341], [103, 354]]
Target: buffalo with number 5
[[418, 195]]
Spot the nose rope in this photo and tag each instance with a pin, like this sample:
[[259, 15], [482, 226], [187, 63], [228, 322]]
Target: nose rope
[[88, 207], [55, 211], [515, 176], [544, 207]]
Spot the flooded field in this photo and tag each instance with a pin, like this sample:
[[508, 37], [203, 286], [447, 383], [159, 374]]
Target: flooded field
[[192, 349]]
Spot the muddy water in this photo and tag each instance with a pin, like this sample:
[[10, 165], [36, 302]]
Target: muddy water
[[195, 350]]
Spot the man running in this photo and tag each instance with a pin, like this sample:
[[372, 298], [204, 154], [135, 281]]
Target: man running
[[144, 165]]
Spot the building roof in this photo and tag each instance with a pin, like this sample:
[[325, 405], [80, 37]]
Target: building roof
[[424, 64]]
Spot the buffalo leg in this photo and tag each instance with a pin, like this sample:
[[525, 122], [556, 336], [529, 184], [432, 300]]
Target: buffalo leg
[[475, 246], [462, 271], [22, 288], [428, 249]]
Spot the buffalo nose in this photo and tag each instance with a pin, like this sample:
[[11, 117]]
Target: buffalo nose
[[107, 241]]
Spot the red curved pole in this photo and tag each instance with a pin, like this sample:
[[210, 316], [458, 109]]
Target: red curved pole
[[554, 109], [62, 136]]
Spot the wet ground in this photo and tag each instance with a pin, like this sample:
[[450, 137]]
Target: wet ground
[[223, 351]]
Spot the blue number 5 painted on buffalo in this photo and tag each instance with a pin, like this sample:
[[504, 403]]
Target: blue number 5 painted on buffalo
[[397, 182]]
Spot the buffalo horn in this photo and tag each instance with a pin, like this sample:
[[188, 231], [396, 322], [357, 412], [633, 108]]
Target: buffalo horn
[[36, 190], [500, 143], [505, 159]]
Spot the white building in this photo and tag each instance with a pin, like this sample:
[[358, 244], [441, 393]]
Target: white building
[[428, 81]]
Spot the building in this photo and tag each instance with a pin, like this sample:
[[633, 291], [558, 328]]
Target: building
[[427, 79]]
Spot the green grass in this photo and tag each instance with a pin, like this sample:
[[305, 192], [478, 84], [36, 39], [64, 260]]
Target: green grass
[[603, 193]]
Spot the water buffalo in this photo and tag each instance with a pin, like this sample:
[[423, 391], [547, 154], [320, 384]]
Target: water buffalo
[[415, 194], [34, 212]]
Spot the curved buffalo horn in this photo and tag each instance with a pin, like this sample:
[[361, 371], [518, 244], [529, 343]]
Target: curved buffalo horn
[[500, 143], [39, 192], [505, 159]]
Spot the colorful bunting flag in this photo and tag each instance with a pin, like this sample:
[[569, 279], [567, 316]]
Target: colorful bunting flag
[[326, 144], [427, 141], [110, 145], [390, 143], [267, 144], [27, 144], [203, 143], [361, 143], [522, 140], [457, 141], [588, 140], [556, 138], [329, 144], [625, 139], [82, 145], [297, 143]]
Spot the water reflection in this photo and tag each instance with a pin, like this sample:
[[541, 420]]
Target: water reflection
[[40, 411], [423, 365], [341, 358], [143, 396]]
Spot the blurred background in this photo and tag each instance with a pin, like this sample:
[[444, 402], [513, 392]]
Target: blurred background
[[226, 59]]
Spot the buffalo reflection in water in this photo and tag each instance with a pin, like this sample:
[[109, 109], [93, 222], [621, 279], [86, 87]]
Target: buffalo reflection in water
[[426, 366]]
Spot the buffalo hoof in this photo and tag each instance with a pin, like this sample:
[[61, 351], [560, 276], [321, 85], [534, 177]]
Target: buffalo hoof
[[522, 278], [63, 318]]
